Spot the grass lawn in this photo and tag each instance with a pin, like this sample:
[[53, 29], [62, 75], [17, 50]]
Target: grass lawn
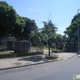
[[6, 53], [45, 48], [11, 54], [53, 49]]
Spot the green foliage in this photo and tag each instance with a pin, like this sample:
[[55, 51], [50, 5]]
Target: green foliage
[[10, 21], [75, 18], [35, 35], [72, 33], [48, 30], [19, 27], [30, 25], [72, 30], [7, 18], [45, 33]]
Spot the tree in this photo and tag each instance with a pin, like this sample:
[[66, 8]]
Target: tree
[[59, 41], [10, 21], [35, 36], [76, 18], [72, 31], [45, 33], [30, 25], [8, 18], [19, 27], [48, 30]]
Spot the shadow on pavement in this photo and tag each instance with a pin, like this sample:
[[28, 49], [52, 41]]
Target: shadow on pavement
[[33, 59]]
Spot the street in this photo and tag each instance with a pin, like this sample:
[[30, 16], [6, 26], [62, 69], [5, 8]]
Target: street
[[58, 70]]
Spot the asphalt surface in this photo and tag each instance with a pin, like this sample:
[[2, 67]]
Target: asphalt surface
[[58, 70]]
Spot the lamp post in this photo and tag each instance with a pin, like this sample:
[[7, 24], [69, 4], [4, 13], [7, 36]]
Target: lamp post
[[78, 33]]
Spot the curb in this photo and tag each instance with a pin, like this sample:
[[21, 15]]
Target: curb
[[27, 65], [77, 55], [73, 56]]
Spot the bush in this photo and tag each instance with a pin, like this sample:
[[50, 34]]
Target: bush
[[2, 48], [28, 54], [51, 57]]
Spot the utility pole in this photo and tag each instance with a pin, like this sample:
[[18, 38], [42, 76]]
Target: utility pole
[[78, 32]]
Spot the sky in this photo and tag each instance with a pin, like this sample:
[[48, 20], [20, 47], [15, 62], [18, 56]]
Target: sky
[[60, 12]]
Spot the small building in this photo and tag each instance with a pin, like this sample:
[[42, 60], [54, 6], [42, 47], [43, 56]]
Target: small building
[[22, 47], [8, 43]]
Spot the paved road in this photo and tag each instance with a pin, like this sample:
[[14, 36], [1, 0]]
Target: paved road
[[58, 70]]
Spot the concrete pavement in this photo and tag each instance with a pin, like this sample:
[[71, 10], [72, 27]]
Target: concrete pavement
[[63, 55], [22, 61], [58, 70], [32, 60]]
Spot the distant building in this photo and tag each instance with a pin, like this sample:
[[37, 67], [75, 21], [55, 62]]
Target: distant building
[[8, 43]]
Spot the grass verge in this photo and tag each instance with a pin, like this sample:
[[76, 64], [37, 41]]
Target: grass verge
[[51, 57], [8, 54]]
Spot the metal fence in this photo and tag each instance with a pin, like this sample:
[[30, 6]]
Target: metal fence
[[36, 48]]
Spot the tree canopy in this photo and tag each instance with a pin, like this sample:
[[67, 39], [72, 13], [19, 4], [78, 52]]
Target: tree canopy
[[30, 25], [45, 33], [48, 30], [72, 32], [10, 21]]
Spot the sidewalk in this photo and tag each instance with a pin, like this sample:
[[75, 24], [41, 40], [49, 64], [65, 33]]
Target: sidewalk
[[31, 60]]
